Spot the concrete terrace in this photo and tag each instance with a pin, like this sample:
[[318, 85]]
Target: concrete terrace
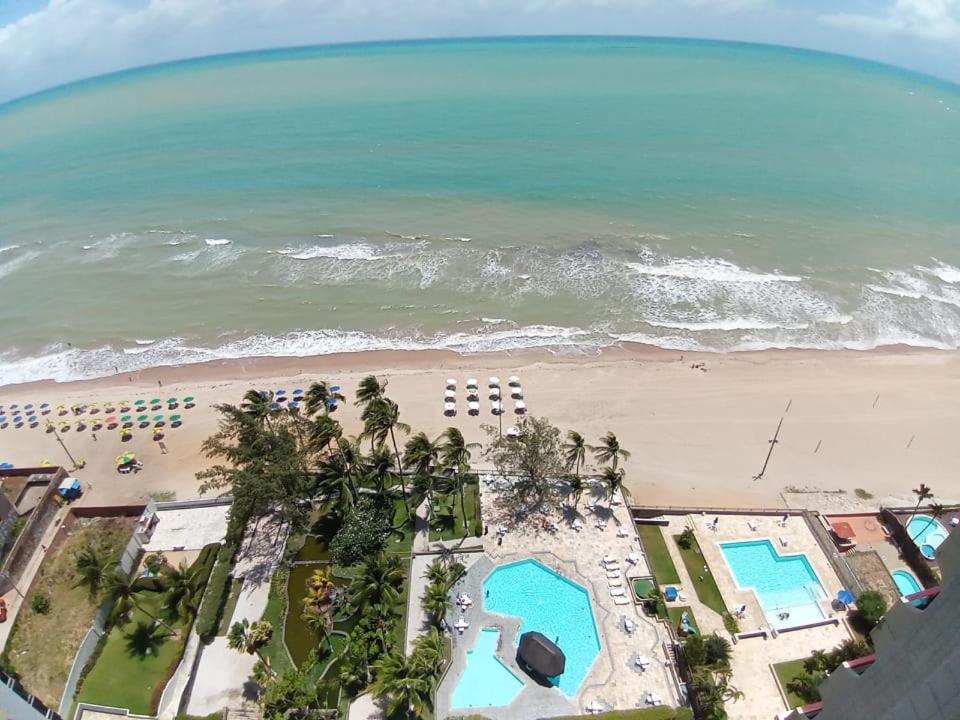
[[613, 679], [752, 657]]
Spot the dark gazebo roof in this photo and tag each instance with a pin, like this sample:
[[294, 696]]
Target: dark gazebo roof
[[541, 655]]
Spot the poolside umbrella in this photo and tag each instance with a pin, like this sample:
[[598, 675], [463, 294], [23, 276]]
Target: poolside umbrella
[[126, 458], [846, 597], [540, 656], [44, 408], [32, 419], [124, 405], [494, 381]]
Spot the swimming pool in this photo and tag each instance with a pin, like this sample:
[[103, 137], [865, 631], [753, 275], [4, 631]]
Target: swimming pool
[[787, 586], [906, 583], [927, 533], [486, 682], [549, 603]]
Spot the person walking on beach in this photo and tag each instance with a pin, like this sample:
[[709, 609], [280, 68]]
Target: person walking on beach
[[163, 447]]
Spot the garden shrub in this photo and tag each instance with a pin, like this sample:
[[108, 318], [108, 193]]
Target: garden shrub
[[364, 532], [871, 606], [214, 600], [40, 604]]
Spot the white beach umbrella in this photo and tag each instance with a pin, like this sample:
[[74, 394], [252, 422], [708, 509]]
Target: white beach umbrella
[[521, 407], [451, 382], [496, 407], [494, 392], [494, 381], [449, 407], [514, 380], [449, 393], [513, 431], [516, 392], [472, 382], [473, 405]]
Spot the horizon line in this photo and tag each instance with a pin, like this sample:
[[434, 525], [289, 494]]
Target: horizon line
[[397, 42]]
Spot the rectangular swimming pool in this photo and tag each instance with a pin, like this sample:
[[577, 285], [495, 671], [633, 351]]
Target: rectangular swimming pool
[[787, 585]]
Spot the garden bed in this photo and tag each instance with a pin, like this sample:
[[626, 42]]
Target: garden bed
[[706, 588], [655, 546], [785, 672], [41, 648]]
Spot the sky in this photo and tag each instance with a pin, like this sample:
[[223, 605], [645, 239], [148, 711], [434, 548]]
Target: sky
[[44, 43]]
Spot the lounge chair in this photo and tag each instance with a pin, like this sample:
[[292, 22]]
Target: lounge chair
[[622, 532], [783, 541], [609, 559], [621, 601], [614, 567], [615, 591], [633, 558], [614, 582]]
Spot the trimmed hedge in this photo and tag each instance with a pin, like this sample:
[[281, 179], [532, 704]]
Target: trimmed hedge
[[215, 598]]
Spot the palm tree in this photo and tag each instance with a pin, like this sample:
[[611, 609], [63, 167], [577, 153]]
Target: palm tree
[[421, 453], [118, 590], [380, 578], [318, 397], [437, 572], [183, 590], [404, 684], [609, 450], [613, 480], [380, 463], [575, 451], [318, 603], [370, 389], [250, 639], [429, 649], [258, 406], [936, 511], [455, 457], [436, 601], [577, 486], [92, 567], [323, 431], [431, 488], [923, 493]]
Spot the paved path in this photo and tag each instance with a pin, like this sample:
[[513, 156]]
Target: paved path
[[13, 598]]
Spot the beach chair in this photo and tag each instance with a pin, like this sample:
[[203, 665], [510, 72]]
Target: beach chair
[[783, 541], [613, 574], [633, 558], [621, 601], [615, 591], [622, 532], [611, 582]]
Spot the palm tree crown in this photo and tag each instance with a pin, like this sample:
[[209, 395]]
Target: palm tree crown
[[609, 450], [575, 451]]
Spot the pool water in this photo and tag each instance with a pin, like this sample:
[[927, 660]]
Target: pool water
[[906, 583], [548, 603], [486, 682], [926, 530], [785, 584]]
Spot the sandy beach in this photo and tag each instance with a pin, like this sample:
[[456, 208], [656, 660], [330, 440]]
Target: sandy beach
[[881, 421]]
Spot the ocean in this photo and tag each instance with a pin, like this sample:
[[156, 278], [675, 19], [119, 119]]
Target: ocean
[[477, 195]]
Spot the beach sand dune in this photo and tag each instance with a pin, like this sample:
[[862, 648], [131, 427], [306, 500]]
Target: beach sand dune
[[879, 421]]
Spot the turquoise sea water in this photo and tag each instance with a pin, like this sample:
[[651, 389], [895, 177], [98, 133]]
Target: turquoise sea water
[[548, 603], [477, 195]]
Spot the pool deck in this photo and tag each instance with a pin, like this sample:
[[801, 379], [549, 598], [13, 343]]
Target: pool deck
[[613, 679], [752, 658]]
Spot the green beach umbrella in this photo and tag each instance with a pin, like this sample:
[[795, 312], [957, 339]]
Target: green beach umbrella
[[155, 401], [188, 399], [158, 418], [126, 458], [143, 418], [138, 403], [171, 401], [174, 419], [126, 418]]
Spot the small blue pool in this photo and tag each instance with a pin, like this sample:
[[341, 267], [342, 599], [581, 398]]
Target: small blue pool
[[486, 682], [906, 583], [787, 586], [927, 533], [551, 604]]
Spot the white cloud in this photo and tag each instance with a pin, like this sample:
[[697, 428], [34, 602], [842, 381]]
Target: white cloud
[[928, 19]]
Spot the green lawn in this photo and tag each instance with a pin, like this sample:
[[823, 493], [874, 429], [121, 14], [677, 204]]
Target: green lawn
[[706, 589], [401, 540], [126, 676], [455, 531], [675, 612], [275, 650], [657, 554], [785, 672]]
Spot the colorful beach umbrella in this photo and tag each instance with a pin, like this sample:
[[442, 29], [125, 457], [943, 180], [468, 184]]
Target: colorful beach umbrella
[[111, 420], [126, 458], [13, 407]]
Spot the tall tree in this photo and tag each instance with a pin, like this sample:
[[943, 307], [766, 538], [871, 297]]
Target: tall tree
[[93, 567], [404, 684], [436, 601], [575, 451], [421, 454], [612, 481], [379, 581], [430, 488], [370, 388], [533, 460], [936, 511], [323, 431], [923, 494], [455, 456], [609, 450], [319, 397], [118, 590], [250, 638], [183, 593], [258, 406], [576, 485]]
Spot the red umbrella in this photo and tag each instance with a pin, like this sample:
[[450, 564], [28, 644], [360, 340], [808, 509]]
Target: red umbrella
[[112, 420]]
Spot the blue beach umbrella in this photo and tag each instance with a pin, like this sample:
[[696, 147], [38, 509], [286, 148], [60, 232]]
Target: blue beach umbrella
[[6, 466], [846, 597], [13, 407], [32, 419], [44, 406], [278, 393], [335, 388], [297, 393], [28, 407]]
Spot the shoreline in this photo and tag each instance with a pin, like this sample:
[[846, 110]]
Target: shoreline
[[270, 366]]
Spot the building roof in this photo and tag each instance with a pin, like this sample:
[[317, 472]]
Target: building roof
[[541, 655]]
